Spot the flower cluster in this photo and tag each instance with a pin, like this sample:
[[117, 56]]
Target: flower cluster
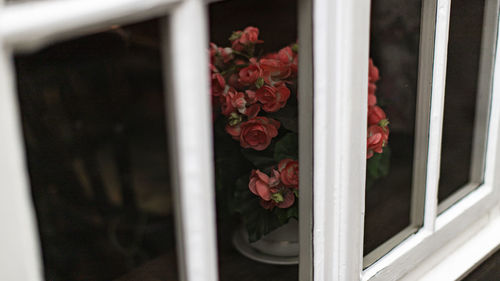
[[249, 92], [378, 130], [244, 87], [278, 189]]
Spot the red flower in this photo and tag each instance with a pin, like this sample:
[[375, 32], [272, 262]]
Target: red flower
[[262, 185], [218, 84], [250, 74], [249, 35], [375, 115], [377, 139], [255, 133], [226, 54], [274, 69], [373, 74], [289, 172], [372, 100], [273, 98]]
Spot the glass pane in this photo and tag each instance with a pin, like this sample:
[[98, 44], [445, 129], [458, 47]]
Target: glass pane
[[255, 127], [93, 120], [464, 47], [394, 49]]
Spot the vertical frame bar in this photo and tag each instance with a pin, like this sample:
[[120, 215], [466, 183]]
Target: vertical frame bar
[[306, 110], [425, 78], [190, 133], [20, 253], [484, 91], [436, 114], [341, 46]]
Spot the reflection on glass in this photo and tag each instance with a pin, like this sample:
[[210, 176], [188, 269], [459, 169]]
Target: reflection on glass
[[464, 47], [394, 48], [241, 211], [93, 120]]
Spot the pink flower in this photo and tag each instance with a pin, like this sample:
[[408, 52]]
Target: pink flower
[[226, 54], [249, 35], [262, 185], [372, 100], [250, 74], [274, 69], [218, 84], [375, 115], [289, 172], [377, 139], [255, 133], [229, 101], [273, 98], [373, 74]]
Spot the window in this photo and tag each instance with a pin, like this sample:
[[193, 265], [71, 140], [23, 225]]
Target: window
[[23, 31], [459, 225]]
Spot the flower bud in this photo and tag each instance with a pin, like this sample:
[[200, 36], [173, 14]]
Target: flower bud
[[234, 119], [277, 197]]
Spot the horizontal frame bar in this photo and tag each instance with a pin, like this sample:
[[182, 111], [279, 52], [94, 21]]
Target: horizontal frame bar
[[31, 25]]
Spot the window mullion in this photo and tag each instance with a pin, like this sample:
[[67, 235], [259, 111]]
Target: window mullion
[[190, 131], [436, 113], [20, 253], [341, 46]]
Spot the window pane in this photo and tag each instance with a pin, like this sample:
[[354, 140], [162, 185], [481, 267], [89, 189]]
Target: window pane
[[464, 47], [239, 211], [394, 48], [93, 120]]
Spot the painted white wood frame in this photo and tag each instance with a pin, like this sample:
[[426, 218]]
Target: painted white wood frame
[[19, 244], [341, 46], [28, 26], [483, 100], [422, 123], [472, 222]]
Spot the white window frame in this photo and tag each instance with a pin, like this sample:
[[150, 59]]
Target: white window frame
[[334, 44], [341, 32], [28, 26]]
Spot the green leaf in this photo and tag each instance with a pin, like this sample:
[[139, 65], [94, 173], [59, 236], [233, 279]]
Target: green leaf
[[288, 115], [260, 159], [287, 147], [378, 166], [235, 35], [258, 221]]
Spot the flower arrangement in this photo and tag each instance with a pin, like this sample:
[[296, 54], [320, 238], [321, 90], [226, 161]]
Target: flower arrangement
[[254, 100]]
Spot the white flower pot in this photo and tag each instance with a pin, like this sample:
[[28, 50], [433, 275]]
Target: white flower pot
[[280, 246]]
